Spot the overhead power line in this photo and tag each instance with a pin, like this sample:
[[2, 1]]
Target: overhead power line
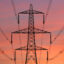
[[50, 59], [62, 29], [49, 7], [4, 35], [57, 55], [47, 12], [5, 54], [7, 40], [14, 8]]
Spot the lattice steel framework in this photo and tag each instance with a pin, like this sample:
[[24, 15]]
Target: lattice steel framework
[[31, 31]]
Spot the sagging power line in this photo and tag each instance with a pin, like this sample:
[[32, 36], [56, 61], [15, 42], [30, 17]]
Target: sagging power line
[[14, 8], [50, 59], [59, 33], [5, 35], [5, 54], [49, 7]]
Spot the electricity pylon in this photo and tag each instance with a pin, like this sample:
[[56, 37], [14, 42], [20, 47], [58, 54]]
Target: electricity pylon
[[31, 31]]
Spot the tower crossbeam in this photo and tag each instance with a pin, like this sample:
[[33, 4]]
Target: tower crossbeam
[[31, 31]]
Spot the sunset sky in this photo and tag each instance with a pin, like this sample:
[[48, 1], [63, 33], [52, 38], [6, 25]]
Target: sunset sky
[[54, 23]]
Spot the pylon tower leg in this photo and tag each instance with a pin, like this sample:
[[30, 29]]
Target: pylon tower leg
[[31, 57]]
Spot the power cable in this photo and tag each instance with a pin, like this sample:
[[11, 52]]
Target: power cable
[[57, 55], [49, 59], [4, 35], [14, 8], [5, 54], [62, 29], [49, 7]]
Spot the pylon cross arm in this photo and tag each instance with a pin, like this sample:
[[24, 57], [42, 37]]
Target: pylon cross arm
[[36, 48], [33, 12], [25, 31]]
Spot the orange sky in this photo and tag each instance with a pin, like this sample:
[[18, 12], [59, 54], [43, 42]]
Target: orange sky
[[54, 23]]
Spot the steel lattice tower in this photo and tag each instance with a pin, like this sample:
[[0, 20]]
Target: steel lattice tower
[[31, 31]]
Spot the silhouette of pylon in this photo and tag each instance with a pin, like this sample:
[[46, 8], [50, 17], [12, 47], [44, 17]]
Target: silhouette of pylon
[[31, 56]]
